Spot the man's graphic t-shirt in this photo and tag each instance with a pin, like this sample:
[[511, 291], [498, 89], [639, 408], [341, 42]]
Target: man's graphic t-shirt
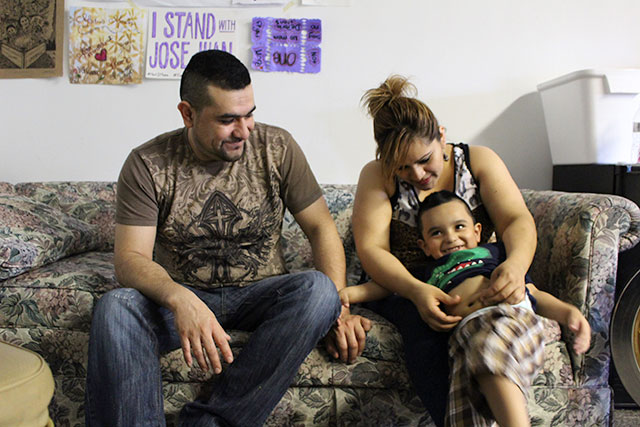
[[218, 223]]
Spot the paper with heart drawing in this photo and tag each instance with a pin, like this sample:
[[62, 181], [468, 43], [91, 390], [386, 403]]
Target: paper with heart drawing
[[105, 45]]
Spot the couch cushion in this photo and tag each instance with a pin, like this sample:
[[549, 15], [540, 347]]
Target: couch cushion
[[48, 309], [6, 188], [60, 295], [90, 201], [33, 234]]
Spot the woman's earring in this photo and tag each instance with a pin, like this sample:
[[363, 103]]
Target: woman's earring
[[446, 157]]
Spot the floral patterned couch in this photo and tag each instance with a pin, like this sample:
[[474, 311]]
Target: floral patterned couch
[[56, 242]]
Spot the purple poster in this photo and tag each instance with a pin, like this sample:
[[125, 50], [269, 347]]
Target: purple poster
[[281, 44]]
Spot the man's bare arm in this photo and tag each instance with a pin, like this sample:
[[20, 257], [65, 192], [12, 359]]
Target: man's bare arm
[[198, 327], [347, 339]]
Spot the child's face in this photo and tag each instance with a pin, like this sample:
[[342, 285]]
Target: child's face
[[448, 228]]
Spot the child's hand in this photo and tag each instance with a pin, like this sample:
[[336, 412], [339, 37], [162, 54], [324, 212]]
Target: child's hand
[[581, 329], [344, 296]]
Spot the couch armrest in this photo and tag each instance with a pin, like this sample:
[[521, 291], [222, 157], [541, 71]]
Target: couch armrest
[[579, 237]]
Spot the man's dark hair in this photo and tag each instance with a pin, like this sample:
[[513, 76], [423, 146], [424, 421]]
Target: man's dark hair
[[439, 198], [211, 67]]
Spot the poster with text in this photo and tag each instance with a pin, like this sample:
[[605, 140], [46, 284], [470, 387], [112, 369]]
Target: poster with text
[[175, 35], [31, 34], [105, 45], [283, 44]]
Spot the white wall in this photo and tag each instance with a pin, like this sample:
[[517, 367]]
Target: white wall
[[476, 64]]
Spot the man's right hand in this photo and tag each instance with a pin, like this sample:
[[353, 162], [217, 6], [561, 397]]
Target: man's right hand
[[429, 300], [200, 333]]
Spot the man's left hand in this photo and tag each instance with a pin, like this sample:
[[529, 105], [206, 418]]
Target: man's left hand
[[346, 340]]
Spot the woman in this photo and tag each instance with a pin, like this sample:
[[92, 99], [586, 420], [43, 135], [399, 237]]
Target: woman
[[412, 161]]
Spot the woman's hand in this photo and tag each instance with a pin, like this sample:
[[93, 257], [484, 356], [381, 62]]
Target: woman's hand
[[429, 300], [507, 284]]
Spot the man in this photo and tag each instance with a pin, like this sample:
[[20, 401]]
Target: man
[[199, 215]]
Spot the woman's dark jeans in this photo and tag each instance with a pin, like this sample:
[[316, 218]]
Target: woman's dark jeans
[[426, 353]]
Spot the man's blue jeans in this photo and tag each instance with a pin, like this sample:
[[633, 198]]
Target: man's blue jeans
[[287, 314]]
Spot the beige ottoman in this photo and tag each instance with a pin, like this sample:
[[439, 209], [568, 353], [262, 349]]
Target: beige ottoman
[[26, 388]]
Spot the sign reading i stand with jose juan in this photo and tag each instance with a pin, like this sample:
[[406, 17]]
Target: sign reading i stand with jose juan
[[175, 35]]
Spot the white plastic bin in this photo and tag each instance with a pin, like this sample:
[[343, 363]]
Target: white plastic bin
[[589, 115]]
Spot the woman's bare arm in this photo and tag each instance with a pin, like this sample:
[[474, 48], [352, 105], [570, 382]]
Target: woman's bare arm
[[513, 221]]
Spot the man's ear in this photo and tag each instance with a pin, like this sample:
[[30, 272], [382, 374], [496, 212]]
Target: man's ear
[[187, 112]]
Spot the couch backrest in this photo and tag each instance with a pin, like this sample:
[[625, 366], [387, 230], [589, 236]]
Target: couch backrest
[[94, 202], [90, 201]]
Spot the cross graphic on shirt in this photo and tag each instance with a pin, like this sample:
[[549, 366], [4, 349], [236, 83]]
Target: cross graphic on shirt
[[218, 217]]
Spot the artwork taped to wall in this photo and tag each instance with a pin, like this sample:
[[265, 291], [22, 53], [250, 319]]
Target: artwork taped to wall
[[174, 35], [31, 38], [105, 45], [282, 44]]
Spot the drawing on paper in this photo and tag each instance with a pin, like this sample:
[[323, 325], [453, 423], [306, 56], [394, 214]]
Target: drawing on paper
[[31, 38], [105, 45]]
